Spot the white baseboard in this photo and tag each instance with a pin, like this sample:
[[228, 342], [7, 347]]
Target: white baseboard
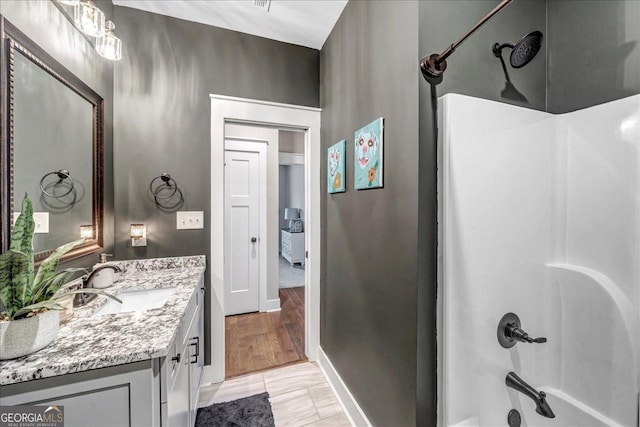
[[351, 408], [273, 304]]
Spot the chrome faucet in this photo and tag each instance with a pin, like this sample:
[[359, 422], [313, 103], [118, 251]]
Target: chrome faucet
[[87, 282], [517, 383]]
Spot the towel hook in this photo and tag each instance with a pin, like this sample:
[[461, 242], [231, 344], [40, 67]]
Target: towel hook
[[62, 175]]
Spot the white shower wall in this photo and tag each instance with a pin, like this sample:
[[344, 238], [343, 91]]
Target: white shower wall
[[537, 212]]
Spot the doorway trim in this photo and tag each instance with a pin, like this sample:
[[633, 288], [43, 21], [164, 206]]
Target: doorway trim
[[250, 111]]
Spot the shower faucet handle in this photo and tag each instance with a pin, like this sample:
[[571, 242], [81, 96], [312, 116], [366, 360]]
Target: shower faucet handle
[[510, 333], [513, 331]]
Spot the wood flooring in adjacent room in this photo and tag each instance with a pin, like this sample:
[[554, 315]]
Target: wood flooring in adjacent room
[[259, 341]]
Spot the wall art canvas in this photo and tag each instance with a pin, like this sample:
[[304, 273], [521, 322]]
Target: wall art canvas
[[335, 167], [368, 143]]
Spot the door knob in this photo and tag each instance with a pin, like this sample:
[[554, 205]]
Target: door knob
[[253, 240]]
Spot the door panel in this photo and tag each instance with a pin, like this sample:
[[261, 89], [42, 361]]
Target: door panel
[[242, 232], [239, 262]]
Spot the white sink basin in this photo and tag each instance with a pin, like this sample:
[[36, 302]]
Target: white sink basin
[[136, 301]]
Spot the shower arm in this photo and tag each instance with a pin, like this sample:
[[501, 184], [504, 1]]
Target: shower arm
[[435, 64]]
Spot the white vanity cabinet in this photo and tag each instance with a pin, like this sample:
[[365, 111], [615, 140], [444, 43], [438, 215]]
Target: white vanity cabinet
[[292, 246], [123, 395], [183, 368], [157, 392]]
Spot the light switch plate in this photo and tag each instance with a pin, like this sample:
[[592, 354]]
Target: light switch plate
[[40, 218], [189, 220]]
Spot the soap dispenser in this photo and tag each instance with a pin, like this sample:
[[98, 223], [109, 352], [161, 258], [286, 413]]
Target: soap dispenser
[[106, 276]]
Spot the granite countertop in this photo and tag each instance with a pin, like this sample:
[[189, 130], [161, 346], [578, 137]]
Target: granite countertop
[[86, 342]]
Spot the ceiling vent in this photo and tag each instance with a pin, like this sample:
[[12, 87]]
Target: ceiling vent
[[265, 4]]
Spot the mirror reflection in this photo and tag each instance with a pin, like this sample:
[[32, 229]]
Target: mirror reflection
[[52, 154], [55, 150]]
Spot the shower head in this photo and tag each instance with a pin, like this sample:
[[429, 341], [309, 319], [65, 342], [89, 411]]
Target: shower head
[[523, 51]]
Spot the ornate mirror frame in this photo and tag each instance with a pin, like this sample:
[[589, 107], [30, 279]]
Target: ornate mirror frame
[[15, 42]]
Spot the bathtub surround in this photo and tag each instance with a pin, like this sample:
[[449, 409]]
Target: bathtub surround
[[539, 217], [86, 342], [564, 82]]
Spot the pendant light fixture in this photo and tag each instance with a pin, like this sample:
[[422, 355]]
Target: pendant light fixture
[[109, 46], [89, 19]]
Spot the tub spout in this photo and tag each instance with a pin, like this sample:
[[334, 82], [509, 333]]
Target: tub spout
[[517, 383]]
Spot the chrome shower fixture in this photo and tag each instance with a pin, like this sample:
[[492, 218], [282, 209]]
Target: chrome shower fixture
[[523, 51]]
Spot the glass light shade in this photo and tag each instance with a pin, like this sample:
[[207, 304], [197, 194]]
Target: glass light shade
[[109, 46], [86, 231], [138, 231], [89, 18], [70, 2], [138, 235]]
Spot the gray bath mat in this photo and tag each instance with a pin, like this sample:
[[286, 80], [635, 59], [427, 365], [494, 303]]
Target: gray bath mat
[[252, 411]]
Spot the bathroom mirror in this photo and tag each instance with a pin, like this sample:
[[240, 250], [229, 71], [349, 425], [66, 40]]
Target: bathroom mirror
[[51, 148]]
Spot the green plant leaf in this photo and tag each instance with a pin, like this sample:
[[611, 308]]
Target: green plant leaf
[[48, 267], [22, 233], [22, 241], [13, 280], [47, 288]]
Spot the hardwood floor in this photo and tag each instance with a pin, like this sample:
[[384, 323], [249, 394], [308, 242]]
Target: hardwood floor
[[260, 341]]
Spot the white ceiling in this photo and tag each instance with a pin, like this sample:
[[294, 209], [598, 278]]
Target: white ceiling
[[302, 22]]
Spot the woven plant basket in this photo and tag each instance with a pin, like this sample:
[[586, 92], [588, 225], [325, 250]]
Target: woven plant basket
[[26, 336]]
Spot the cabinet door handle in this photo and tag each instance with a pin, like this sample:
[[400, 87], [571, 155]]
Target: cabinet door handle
[[176, 358], [197, 344]]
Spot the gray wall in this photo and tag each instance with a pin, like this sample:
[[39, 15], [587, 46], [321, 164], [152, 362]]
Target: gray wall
[[594, 55], [43, 23], [379, 292], [291, 141], [162, 121], [369, 242]]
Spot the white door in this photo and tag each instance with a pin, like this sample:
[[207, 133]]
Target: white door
[[242, 232]]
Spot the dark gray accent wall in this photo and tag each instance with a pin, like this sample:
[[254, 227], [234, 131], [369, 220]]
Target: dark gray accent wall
[[162, 121], [594, 55], [368, 69], [472, 70], [43, 23], [378, 286]]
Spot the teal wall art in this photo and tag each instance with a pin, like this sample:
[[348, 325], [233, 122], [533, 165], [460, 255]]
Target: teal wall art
[[336, 167], [369, 142]]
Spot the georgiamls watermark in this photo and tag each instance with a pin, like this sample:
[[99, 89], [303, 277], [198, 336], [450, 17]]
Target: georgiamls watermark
[[31, 416]]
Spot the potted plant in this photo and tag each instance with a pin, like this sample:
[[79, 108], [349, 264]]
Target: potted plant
[[29, 316]]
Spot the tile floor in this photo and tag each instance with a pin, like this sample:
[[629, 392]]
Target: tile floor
[[299, 395]]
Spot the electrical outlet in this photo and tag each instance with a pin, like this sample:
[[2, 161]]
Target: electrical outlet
[[40, 218], [187, 220]]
